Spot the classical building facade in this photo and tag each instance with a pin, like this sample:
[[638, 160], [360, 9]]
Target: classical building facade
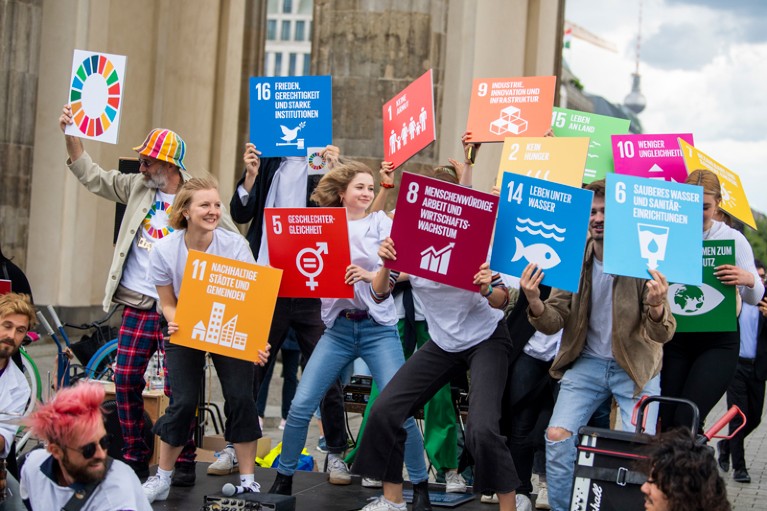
[[188, 62]]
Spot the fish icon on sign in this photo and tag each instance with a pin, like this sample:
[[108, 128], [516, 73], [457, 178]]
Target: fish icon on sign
[[539, 254]]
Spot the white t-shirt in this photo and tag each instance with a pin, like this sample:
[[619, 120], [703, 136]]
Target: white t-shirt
[[458, 319], [14, 394], [154, 228], [365, 235], [744, 258], [288, 190], [120, 489], [417, 305], [168, 258], [600, 333]]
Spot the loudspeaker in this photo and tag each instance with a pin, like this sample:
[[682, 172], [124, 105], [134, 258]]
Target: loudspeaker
[[249, 502], [125, 166]]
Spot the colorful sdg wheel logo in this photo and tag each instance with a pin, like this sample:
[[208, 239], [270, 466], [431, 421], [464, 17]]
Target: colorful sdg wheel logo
[[316, 161], [96, 79]]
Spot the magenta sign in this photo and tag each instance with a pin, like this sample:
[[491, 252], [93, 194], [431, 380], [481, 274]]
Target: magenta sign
[[655, 156], [442, 231]]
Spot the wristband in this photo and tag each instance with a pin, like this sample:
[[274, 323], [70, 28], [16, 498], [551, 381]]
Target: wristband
[[387, 185], [489, 292]]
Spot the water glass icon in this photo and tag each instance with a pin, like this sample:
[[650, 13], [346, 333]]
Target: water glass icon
[[652, 243]]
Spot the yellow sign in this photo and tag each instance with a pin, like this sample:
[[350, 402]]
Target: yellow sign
[[734, 201], [557, 159], [226, 306]]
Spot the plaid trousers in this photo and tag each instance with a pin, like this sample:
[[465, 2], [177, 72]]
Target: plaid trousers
[[140, 336]]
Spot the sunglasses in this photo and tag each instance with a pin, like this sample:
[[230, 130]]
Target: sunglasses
[[89, 450], [145, 162]]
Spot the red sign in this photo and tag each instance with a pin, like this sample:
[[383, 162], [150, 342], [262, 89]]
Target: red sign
[[5, 286], [408, 121], [311, 247], [442, 231], [510, 107]]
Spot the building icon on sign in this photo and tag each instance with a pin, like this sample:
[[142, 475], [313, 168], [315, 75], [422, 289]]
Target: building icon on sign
[[437, 260], [218, 332], [509, 122]]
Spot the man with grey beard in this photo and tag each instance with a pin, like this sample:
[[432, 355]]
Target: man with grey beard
[[148, 196]]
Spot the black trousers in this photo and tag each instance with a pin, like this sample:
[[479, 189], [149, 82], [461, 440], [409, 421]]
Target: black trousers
[[697, 366], [747, 392], [303, 316], [381, 452], [527, 407]]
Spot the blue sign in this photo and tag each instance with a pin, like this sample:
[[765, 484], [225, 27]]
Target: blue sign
[[653, 224], [290, 114], [545, 223]]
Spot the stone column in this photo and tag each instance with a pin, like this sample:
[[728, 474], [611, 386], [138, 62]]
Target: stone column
[[20, 22]]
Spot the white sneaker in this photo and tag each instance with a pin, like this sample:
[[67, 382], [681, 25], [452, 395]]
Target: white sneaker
[[381, 504], [156, 489], [454, 482], [524, 503], [368, 482], [252, 487], [339, 472], [489, 498], [542, 500], [225, 464]]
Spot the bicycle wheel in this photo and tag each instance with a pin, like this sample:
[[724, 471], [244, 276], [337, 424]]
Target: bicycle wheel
[[101, 365], [32, 374]]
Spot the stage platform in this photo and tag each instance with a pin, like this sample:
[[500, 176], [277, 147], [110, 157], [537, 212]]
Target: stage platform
[[311, 489]]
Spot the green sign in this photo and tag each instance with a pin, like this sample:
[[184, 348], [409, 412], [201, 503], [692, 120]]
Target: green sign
[[711, 306], [571, 123]]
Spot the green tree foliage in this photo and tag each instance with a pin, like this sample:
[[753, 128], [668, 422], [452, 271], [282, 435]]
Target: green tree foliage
[[758, 238]]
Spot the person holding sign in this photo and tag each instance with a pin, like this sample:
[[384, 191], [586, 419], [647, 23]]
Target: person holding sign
[[700, 365], [612, 342], [286, 183], [148, 197], [364, 326], [195, 217]]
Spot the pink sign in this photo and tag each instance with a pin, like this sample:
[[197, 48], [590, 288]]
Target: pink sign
[[442, 231], [408, 120], [655, 156]]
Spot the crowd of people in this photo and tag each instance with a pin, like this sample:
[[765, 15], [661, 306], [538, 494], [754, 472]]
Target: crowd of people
[[536, 374]]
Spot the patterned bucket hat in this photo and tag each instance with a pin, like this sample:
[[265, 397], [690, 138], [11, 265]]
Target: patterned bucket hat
[[165, 145]]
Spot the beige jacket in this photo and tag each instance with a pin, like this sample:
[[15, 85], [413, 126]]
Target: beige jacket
[[637, 340], [128, 189]]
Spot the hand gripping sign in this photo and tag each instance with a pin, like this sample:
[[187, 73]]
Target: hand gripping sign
[[408, 120], [311, 246], [225, 306], [442, 231], [510, 107]]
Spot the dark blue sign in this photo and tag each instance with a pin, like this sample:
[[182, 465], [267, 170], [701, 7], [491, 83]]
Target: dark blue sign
[[541, 222], [290, 114]]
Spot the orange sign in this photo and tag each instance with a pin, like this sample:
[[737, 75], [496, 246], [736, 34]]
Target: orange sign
[[225, 306], [510, 107], [311, 245], [734, 199], [558, 159]]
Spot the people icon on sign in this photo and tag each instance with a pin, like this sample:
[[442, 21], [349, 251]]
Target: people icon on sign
[[422, 118], [404, 134]]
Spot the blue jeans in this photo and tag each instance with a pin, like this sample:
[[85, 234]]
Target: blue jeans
[[379, 346], [583, 388]]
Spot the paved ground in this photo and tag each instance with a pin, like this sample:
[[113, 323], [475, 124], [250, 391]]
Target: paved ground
[[742, 496]]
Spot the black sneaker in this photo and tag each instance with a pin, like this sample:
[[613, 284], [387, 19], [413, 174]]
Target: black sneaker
[[740, 475], [141, 468], [283, 485], [184, 474], [724, 455], [421, 501]]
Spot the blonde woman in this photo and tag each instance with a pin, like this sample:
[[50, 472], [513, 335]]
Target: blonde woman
[[195, 217]]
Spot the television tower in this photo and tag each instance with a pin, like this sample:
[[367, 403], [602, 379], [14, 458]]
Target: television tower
[[635, 101]]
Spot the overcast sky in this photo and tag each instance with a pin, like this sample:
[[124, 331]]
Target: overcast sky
[[704, 70]]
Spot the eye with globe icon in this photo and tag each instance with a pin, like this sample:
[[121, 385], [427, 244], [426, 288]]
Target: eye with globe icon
[[689, 300]]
